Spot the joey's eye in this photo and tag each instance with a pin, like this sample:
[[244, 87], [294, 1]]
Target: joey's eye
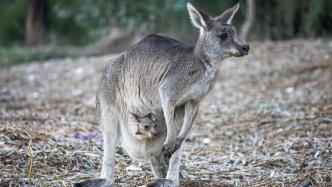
[[146, 127], [223, 36]]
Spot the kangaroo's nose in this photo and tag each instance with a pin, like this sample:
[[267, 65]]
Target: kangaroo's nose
[[153, 134], [245, 48]]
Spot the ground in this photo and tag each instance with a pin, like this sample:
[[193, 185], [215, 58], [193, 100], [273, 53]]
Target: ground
[[267, 122]]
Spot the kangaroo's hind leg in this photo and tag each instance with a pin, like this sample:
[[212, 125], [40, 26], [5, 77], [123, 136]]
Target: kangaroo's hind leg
[[109, 123], [173, 173], [159, 166]]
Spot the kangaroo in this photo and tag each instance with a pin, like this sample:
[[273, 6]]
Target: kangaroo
[[170, 79], [143, 126]]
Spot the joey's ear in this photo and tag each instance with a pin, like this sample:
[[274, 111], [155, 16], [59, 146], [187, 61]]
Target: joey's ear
[[136, 117], [198, 18], [228, 15]]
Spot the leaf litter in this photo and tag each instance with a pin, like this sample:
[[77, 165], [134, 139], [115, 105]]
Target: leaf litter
[[267, 122]]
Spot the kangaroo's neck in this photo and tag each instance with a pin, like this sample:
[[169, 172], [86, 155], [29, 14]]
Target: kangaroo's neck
[[210, 69], [200, 54]]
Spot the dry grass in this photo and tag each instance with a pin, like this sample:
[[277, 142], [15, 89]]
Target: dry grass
[[267, 122]]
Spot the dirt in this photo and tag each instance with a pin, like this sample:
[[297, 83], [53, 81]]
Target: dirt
[[267, 122]]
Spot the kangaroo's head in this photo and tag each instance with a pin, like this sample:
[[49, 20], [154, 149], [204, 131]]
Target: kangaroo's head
[[146, 125], [218, 38]]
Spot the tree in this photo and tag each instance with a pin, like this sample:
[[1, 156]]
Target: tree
[[249, 20], [35, 21]]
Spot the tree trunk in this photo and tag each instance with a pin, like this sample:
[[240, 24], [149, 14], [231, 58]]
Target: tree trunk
[[35, 21], [251, 10]]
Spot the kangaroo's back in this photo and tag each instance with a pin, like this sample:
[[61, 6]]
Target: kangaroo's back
[[146, 65], [160, 47], [155, 55]]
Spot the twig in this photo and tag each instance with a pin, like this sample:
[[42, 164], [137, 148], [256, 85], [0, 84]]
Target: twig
[[30, 160], [321, 65]]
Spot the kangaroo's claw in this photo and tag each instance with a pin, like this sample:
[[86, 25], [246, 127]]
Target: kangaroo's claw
[[170, 148]]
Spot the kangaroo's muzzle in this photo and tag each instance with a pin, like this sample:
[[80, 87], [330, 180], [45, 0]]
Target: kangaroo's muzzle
[[244, 49]]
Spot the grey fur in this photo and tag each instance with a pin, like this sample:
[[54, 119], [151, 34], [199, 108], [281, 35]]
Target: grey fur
[[165, 77]]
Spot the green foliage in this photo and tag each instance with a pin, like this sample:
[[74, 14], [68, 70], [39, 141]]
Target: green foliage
[[13, 56], [12, 18], [79, 22], [319, 17], [277, 19]]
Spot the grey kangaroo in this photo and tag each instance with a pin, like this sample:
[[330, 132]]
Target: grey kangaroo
[[166, 77]]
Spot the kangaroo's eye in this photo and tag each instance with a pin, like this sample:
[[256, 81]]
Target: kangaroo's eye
[[146, 127], [224, 36]]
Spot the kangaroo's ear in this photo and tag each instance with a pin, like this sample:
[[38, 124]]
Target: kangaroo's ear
[[198, 18], [228, 15], [136, 117]]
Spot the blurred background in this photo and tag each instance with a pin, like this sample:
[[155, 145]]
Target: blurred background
[[266, 122], [42, 29]]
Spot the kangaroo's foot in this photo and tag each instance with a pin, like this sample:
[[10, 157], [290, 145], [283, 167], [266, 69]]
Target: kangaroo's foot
[[94, 183], [162, 183]]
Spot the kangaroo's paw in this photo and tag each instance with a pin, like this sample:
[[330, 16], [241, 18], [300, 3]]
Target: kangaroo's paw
[[162, 183], [170, 148], [94, 183]]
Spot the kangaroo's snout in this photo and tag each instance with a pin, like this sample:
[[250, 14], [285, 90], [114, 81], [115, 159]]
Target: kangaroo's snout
[[245, 49], [153, 134]]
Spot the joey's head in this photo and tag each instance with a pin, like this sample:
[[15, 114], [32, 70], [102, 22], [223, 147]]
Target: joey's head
[[218, 38], [146, 126]]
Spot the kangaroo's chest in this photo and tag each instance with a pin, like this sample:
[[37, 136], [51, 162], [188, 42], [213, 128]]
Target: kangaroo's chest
[[203, 85]]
